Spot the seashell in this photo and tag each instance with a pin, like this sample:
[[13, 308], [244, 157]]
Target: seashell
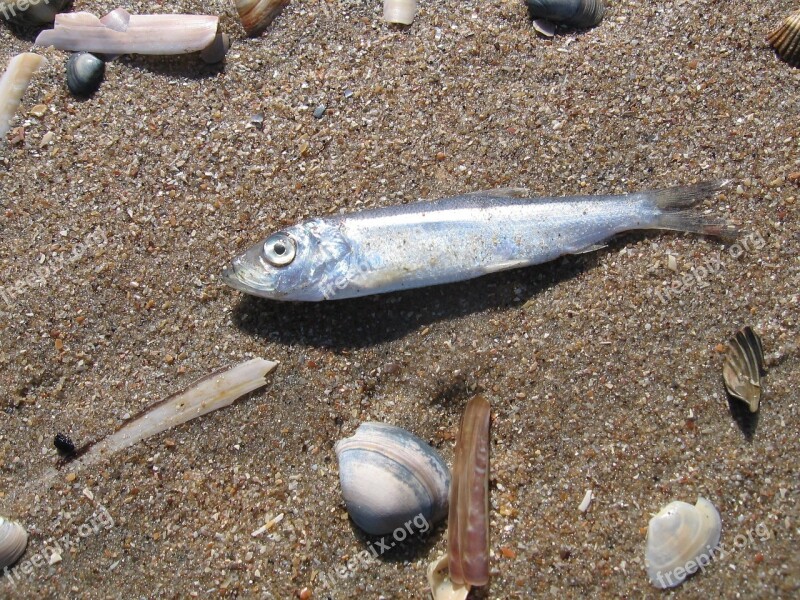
[[442, 587], [786, 39], [681, 539], [122, 33], [390, 476], [744, 363], [13, 84], [215, 53], [38, 12], [577, 13], [399, 11], [256, 15], [468, 521], [13, 541], [84, 73]]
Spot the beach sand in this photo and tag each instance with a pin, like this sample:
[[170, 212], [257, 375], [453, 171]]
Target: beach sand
[[597, 379]]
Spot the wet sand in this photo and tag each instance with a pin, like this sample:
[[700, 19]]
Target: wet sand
[[597, 379]]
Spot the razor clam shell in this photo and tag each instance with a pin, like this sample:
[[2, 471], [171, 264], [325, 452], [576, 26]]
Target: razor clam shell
[[205, 395], [744, 363], [677, 537], [13, 541], [13, 84], [256, 15], [399, 11], [468, 521], [389, 476], [786, 39], [144, 34], [577, 13]]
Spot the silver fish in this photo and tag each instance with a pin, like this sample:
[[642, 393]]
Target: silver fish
[[453, 239]]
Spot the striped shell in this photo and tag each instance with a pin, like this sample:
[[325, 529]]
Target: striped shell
[[786, 39], [13, 540], [680, 539], [256, 15], [742, 369], [390, 476]]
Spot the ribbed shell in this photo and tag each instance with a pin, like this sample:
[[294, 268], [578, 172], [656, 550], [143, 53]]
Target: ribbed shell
[[389, 476], [679, 535], [578, 13], [13, 540], [256, 15], [742, 368], [786, 39]]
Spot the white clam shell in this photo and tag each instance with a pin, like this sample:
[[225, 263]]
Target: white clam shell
[[399, 11], [13, 540], [680, 539], [390, 476], [442, 588]]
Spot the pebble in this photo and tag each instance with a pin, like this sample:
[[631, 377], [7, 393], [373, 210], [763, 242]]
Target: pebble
[[38, 111], [257, 121], [348, 94], [319, 111]]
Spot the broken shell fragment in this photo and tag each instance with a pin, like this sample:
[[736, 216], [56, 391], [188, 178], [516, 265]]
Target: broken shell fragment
[[13, 541], [85, 73], [468, 521], [442, 587], [577, 13], [13, 84], [122, 33], [390, 476], [257, 15], [399, 11], [744, 363], [681, 539], [786, 39]]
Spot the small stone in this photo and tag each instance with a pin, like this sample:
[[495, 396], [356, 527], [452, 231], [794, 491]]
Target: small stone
[[55, 558], [257, 121], [64, 444], [319, 111], [348, 94], [169, 359], [47, 139], [39, 111], [304, 594], [169, 443], [672, 263], [70, 477], [17, 136], [794, 177]]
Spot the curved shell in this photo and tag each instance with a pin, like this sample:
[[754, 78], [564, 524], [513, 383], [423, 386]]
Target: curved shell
[[13, 540], [389, 476], [742, 369], [680, 539], [442, 587], [786, 39], [399, 11], [578, 13], [256, 15], [85, 73]]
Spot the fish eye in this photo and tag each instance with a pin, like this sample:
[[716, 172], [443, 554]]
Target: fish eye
[[279, 250]]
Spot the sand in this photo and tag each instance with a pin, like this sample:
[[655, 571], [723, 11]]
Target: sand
[[597, 379]]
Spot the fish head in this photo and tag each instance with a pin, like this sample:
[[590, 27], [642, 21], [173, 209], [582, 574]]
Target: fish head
[[302, 262]]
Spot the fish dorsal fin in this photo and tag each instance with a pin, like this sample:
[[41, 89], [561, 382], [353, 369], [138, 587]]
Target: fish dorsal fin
[[509, 192]]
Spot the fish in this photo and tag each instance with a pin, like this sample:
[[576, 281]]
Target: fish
[[453, 239]]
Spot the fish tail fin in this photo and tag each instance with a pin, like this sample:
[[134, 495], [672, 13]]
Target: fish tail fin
[[675, 204]]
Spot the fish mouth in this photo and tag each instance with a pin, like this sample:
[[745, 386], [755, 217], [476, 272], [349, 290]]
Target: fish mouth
[[232, 277]]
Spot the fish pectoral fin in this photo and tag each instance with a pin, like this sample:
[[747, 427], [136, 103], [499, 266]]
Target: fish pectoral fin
[[588, 249], [509, 192]]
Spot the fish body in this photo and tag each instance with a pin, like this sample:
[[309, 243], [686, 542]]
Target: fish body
[[453, 239]]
